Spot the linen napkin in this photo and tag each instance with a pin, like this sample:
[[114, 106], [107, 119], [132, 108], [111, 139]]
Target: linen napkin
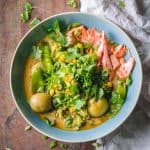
[[133, 16]]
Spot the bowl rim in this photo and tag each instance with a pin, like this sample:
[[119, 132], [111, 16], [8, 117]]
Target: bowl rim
[[36, 128]]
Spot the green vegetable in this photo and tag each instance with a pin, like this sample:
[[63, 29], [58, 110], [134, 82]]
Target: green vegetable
[[53, 144], [50, 122], [27, 128], [46, 58], [37, 81], [121, 89], [122, 4], [63, 146], [128, 81], [73, 25], [36, 52], [72, 3], [56, 35], [79, 104], [34, 22], [25, 15]]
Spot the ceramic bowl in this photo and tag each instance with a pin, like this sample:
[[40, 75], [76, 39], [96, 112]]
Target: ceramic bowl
[[17, 69]]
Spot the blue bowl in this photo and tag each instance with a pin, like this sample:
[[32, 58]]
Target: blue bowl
[[17, 69]]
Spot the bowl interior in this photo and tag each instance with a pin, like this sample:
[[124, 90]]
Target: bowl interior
[[23, 50]]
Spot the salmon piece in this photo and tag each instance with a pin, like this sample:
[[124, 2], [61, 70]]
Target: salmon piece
[[75, 30], [71, 35], [84, 35], [112, 75], [120, 51], [106, 63], [125, 69], [94, 36], [115, 62], [122, 60]]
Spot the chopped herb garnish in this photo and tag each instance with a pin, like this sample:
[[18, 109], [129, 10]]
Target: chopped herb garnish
[[8, 148], [53, 144], [36, 52], [122, 4], [25, 15], [64, 146], [34, 22], [27, 128], [49, 122], [28, 7], [79, 104], [114, 43], [72, 3], [73, 25], [44, 137], [96, 145]]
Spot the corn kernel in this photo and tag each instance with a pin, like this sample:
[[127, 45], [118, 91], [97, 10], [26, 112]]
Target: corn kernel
[[109, 84], [71, 109], [55, 86], [74, 61], [79, 45], [62, 58], [68, 92], [52, 92]]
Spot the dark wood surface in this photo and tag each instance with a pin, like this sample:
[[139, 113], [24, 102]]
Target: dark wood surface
[[12, 123]]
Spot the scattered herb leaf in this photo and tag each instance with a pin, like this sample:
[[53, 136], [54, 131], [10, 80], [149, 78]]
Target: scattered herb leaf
[[96, 145], [64, 146], [25, 15], [72, 3], [53, 144], [122, 4], [28, 7], [34, 22], [44, 137], [27, 128], [8, 148]]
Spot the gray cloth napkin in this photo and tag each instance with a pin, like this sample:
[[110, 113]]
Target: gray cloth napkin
[[134, 19]]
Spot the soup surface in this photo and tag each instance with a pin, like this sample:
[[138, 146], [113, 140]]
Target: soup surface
[[76, 78]]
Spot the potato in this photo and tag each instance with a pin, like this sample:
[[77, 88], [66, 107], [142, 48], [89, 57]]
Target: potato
[[41, 102], [97, 108]]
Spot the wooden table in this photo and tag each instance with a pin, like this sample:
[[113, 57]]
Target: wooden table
[[12, 123]]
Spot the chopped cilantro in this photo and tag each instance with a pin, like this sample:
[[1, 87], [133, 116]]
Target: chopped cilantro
[[96, 145], [53, 144], [25, 15], [34, 22], [122, 4], [36, 52], [49, 122], [72, 3], [63, 146]]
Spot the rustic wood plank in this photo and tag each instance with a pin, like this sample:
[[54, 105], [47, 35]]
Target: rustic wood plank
[[12, 123]]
